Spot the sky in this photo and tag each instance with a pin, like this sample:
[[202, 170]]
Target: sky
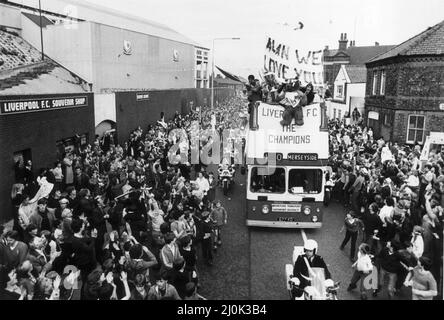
[[389, 22]]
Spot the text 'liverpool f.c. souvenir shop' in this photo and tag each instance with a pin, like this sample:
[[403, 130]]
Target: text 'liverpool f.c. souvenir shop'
[[36, 131]]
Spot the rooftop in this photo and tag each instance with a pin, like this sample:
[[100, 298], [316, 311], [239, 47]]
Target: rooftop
[[89, 11], [44, 77], [359, 55], [16, 52], [357, 74], [428, 42], [23, 72], [226, 81]]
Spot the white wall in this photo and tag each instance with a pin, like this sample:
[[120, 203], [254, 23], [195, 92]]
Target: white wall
[[150, 66], [10, 17], [356, 95], [71, 47], [338, 107], [104, 107], [31, 33], [340, 80]]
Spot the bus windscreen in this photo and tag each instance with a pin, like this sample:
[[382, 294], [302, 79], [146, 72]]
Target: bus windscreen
[[305, 181], [264, 180]]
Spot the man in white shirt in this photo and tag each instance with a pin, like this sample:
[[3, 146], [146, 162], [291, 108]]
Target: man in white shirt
[[203, 183], [387, 210]]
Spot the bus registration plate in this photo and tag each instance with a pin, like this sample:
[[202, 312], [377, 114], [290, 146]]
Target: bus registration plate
[[287, 219]]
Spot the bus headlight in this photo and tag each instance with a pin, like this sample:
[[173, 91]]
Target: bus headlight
[[314, 219], [253, 208], [318, 210], [265, 209], [307, 211]]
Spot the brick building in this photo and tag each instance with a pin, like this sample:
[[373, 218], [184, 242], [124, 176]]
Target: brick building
[[346, 54], [405, 89]]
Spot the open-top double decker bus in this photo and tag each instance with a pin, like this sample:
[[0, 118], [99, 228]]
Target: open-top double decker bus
[[286, 168]]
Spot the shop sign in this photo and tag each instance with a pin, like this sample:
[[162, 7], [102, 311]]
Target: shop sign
[[142, 96], [41, 104], [373, 115]]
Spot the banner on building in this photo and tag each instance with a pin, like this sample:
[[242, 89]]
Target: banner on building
[[41, 104], [290, 53]]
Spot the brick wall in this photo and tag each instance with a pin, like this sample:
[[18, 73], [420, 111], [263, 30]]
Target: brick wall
[[434, 122], [131, 113], [413, 86], [38, 131]]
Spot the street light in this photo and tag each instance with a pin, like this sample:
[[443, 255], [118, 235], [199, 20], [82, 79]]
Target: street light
[[212, 72], [41, 30]]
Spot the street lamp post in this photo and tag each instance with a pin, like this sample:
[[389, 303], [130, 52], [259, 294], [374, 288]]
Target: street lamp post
[[212, 70], [41, 30]]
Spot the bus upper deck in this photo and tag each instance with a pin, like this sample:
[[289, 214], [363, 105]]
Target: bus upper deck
[[286, 167]]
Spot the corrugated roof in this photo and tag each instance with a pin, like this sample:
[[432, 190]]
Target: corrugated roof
[[92, 12], [23, 72], [36, 19], [45, 77], [428, 42], [16, 52], [357, 74]]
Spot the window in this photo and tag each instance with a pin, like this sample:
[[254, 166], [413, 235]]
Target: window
[[198, 83], [267, 180], [382, 87], [305, 181], [415, 129], [339, 91], [375, 82], [387, 120]]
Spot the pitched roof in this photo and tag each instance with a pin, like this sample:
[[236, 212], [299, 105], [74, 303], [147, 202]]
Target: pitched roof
[[428, 42], [226, 81], [359, 55], [89, 11], [23, 72], [36, 19], [357, 74], [16, 52], [45, 77]]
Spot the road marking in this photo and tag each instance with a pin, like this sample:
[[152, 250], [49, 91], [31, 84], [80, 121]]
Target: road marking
[[304, 236]]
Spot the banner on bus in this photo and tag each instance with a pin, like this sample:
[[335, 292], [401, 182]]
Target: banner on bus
[[270, 116], [294, 143], [294, 146], [289, 53]]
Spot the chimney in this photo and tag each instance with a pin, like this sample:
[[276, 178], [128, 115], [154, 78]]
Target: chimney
[[376, 44], [343, 42]]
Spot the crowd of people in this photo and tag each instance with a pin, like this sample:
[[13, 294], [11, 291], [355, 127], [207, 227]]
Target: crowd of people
[[395, 201], [118, 222], [123, 222]]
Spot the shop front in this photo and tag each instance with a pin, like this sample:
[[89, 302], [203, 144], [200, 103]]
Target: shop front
[[37, 130]]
